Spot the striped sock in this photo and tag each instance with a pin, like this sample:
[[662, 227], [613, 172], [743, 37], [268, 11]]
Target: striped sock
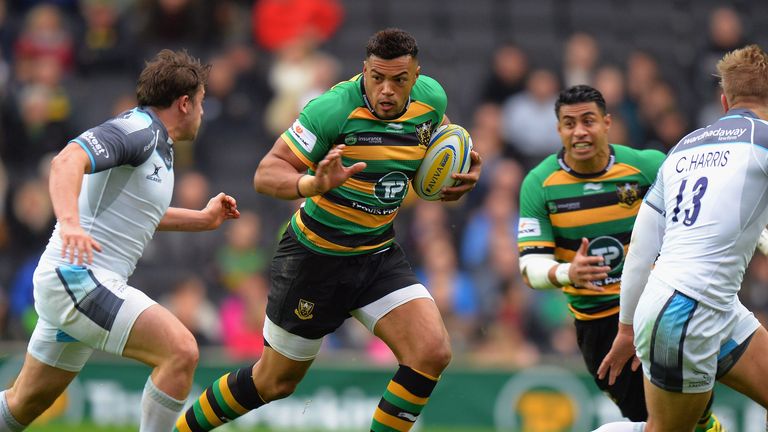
[[403, 400], [226, 399]]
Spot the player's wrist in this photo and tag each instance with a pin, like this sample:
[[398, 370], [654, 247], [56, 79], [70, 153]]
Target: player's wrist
[[306, 186], [562, 274]]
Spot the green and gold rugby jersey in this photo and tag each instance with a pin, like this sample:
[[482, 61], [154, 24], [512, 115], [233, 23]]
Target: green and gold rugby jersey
[[358, 216], [559, 206]]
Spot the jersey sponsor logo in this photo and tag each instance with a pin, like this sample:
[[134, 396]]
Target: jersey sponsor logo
[[367, 139], [720, 133], [304, 310], [628, 193], [391, 188], [97, 148], [593, 187], [155, 176], [303, 136], [424, 133], [350, 139], [610, 249], [394, 128], [528, 227]]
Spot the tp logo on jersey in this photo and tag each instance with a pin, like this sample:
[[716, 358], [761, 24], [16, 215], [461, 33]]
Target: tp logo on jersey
[[528, 227], [391, 188], [610, 249]]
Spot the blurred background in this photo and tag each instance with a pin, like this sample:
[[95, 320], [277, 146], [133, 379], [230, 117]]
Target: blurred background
[[68, 65]]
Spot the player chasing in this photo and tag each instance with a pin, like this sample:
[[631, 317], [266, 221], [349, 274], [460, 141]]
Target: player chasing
[[679, 298], [338, 257], [104, 221], [577, 209]]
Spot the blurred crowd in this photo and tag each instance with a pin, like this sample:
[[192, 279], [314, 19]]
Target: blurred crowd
[[67, 65]]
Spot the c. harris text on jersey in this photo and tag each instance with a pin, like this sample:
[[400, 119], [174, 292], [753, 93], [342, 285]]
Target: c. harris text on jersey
[[712, 159]]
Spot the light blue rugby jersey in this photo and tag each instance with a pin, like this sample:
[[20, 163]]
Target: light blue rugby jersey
[[128, 191], [713, 191]]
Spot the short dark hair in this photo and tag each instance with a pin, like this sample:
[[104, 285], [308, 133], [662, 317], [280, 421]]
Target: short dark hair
[[168, 76], [391, 43], [580, 94]]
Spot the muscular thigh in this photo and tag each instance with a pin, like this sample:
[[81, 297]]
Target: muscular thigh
[[311, 294]]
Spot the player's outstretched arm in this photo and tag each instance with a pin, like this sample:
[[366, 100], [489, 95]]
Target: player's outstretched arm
[[281, 173], [65, 181], [219, 208]]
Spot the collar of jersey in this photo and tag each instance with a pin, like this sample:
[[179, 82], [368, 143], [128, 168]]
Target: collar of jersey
[[740, 112], [569, 170], [370, 108]]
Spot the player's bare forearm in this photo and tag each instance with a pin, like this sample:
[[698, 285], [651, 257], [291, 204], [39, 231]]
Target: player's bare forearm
[[65, 181], [279, 173], [219, 208]]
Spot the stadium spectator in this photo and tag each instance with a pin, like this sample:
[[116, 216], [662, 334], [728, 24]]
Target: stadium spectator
[[685, 266], [580, 58], [526, 123], [104, 221], [338, 256], [242, 315], [188, 301], [507, 76], [279, 23]]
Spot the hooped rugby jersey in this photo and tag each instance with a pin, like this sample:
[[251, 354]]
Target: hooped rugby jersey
[[357, 217], [713, 193], [559, 206], [127, 192]]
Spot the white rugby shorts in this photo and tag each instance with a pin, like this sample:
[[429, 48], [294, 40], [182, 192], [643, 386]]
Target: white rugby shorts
[[685, 345], [82, 309]]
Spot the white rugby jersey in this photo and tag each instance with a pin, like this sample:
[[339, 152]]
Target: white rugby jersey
[[128, 192], [713, 192]]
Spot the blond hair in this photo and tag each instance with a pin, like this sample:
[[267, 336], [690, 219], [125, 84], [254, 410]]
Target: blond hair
[[744, 75]]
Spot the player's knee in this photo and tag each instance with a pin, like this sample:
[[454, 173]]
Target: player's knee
[[435, 354], [186, 354], [27, 406], [278, 389]]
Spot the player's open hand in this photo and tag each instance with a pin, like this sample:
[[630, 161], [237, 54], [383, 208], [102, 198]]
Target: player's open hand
[[331, 173], [220, 208], [468, 181], [77, 245], [586, 268], [623, 349]]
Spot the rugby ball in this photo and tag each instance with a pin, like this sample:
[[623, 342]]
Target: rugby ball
[[448, 153]]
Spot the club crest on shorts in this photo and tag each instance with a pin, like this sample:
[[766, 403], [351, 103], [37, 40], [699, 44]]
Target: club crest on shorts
[[424, 133], [628, 193], [304, 311]]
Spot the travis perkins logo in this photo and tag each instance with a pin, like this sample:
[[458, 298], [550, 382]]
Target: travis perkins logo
[[304, 311], [424, 133]]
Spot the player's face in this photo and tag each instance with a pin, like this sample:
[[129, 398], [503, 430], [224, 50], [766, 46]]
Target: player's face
[[583, 130], [194, 116], [388, 83]]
